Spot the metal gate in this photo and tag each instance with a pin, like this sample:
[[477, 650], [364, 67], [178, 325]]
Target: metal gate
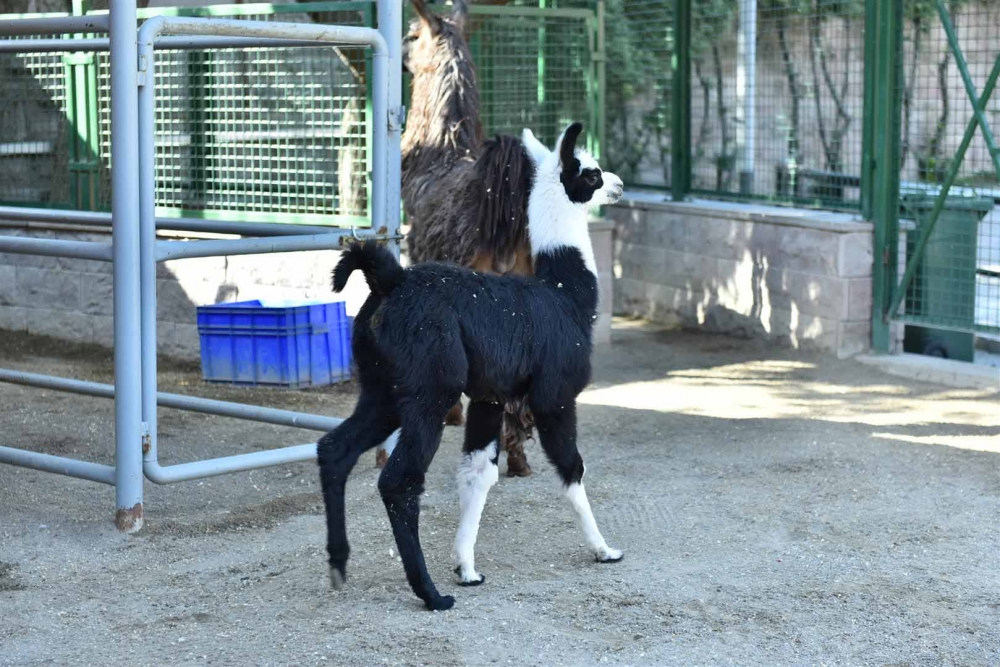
[[938, 215]]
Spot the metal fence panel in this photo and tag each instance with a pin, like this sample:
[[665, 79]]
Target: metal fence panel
[[277, 135], [34, 144], [952, 254], [536, 67]]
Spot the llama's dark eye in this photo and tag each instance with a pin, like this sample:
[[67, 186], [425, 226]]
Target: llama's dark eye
[[591, 178]]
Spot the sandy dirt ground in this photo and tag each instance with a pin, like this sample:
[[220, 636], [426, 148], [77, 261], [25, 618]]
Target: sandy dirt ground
[[775, 508]]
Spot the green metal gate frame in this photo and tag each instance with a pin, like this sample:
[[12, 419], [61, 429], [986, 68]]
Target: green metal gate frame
[[881, 156]]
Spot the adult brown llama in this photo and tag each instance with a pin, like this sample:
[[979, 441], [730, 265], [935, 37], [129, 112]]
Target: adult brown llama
[[443, 182]]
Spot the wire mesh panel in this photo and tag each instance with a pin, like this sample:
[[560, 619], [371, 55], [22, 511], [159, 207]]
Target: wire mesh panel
[[807, 100], [34, 130], [535, 66], [552, 56], [265, 134], [956, 284], [639, 44]]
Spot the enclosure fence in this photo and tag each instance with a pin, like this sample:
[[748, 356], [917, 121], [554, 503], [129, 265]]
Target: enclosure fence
[[279, 135], [878, 107], [135, 251]]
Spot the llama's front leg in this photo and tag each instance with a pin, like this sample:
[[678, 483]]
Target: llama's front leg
[[400, 484], [477, 472], [557, 432]]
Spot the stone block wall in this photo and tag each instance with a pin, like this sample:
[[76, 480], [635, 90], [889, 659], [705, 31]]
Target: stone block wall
[[71, 299], [795, 277]]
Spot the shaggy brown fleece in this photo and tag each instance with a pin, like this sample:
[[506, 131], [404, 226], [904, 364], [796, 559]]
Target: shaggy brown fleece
[[449, 218]]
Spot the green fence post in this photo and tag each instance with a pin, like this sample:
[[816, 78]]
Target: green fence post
[[81, 117], [868, 106], [886, 23], [680, 171], [600, 100]]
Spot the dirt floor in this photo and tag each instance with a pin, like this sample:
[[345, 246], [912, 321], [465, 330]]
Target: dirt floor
[[775, 508]]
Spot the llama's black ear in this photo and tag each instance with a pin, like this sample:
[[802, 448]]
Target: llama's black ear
[[567, 143], [460, 14], [427, 16]]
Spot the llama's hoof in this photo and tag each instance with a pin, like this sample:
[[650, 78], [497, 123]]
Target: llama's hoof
[[454, 416], [441, 603], [609, 555], [381, 458], [517, 466], [337, 577], [476, 580]]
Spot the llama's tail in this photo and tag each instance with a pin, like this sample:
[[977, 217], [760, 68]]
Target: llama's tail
[[382, 272]]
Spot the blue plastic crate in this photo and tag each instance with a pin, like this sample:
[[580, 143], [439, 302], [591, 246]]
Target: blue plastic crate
[[275, 343]]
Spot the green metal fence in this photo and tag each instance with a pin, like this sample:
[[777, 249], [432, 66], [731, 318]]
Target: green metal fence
[[789, 132], [942, 268], [537, 66], [35, 141], [279, 135], [788, 112]]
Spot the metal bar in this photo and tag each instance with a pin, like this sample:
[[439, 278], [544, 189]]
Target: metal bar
[[56, 248], [263, 31], [167, 250], [868, 115], [174, 43], [260, 8], [680, 171], [62, 25], [885, 178], [927, 226], [16, 213], [183, 472], [179, 402], [148, 255], [94, 472], [602, 82], [125, 234], [388, 189], [970, 87], [746, 93]]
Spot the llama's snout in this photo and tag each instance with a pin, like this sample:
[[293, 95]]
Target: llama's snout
[[613, 188]]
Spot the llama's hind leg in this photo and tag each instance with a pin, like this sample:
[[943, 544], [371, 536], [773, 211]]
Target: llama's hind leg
[[477, 472], [338, 452], [401, 483], [557, 432]]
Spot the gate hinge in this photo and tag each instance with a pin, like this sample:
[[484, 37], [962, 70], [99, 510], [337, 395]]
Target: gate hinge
[[141, 74], [396, 118], [147, 438]]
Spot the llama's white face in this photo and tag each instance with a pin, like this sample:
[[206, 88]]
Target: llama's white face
[[579, 173], [567, 183]]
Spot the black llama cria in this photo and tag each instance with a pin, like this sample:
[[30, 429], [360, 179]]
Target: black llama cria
[[429, 333]]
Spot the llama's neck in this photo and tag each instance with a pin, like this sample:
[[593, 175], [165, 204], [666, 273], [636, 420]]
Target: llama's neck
[[554, 222], [444, 111]]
